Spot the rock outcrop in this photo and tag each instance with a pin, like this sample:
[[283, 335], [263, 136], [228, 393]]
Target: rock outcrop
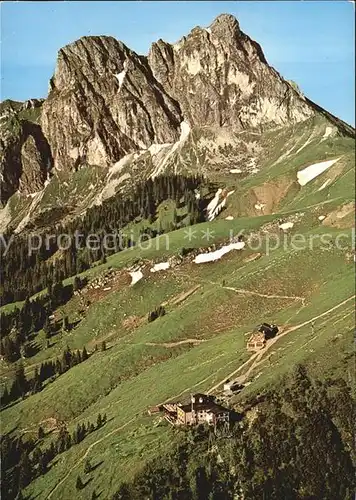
[[106, 102], [220, 77], [25, 155]]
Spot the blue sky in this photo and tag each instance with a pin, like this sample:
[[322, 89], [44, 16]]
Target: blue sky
[[311, 42]]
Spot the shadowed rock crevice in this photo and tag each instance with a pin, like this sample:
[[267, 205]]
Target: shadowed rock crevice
[[26, 159]]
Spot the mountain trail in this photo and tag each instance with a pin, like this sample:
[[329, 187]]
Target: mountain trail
[[249, 292], [256, 357], [83, 457]]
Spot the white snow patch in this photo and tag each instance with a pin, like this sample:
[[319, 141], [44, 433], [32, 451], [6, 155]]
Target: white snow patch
[[217, 210], [135, 276], [36, 200], [260, 206], [328, 132], [119, 165], [212, 204], [5, 217], [309, 173], [235, 171], [321, 217], [215, 206], [324, 185], [217, 254], [308, 141], [229, 217], [121, 77], [184, 132], [286, 225], [162, 266]]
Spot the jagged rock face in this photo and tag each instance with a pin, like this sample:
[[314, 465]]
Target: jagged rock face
[[170, 111], [25, 156], [104, 103], [35, 166], [221, 77]]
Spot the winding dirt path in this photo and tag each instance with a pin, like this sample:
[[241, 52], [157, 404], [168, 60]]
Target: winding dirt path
[[174, 344], [256, 357], [83, 457], [249, 292]]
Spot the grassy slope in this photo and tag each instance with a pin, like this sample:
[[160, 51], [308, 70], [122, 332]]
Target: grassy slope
[[133, 374], [220, 316]]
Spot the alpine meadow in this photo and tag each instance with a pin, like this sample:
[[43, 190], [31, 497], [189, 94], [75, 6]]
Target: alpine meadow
[[178, 278]]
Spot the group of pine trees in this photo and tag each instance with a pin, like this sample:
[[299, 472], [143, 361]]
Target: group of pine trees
[[25, 272], [157, 313], [25, 460], [18, 326], [48, 369]]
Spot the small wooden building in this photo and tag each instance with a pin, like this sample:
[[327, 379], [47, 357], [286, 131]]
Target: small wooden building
[[256, 342], [202, 410], [268, 330], [260, 336], [152, 410]]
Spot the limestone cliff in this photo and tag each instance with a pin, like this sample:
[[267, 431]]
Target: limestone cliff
[[103, 103], [179, 108], [221, 77], [25, 156]]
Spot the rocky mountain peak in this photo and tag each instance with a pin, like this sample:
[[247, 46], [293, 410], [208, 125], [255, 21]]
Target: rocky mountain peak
[[224, 23], [220, 77], [89, 56], [105, 101]]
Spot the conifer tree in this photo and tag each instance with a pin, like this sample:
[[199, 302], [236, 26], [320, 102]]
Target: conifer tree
[[42, 465], [36, 381], [65, 324], [25, 474], [84, 354], [87, 467], [79, 484], [20, 382], [5, 397], [47, 328]]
